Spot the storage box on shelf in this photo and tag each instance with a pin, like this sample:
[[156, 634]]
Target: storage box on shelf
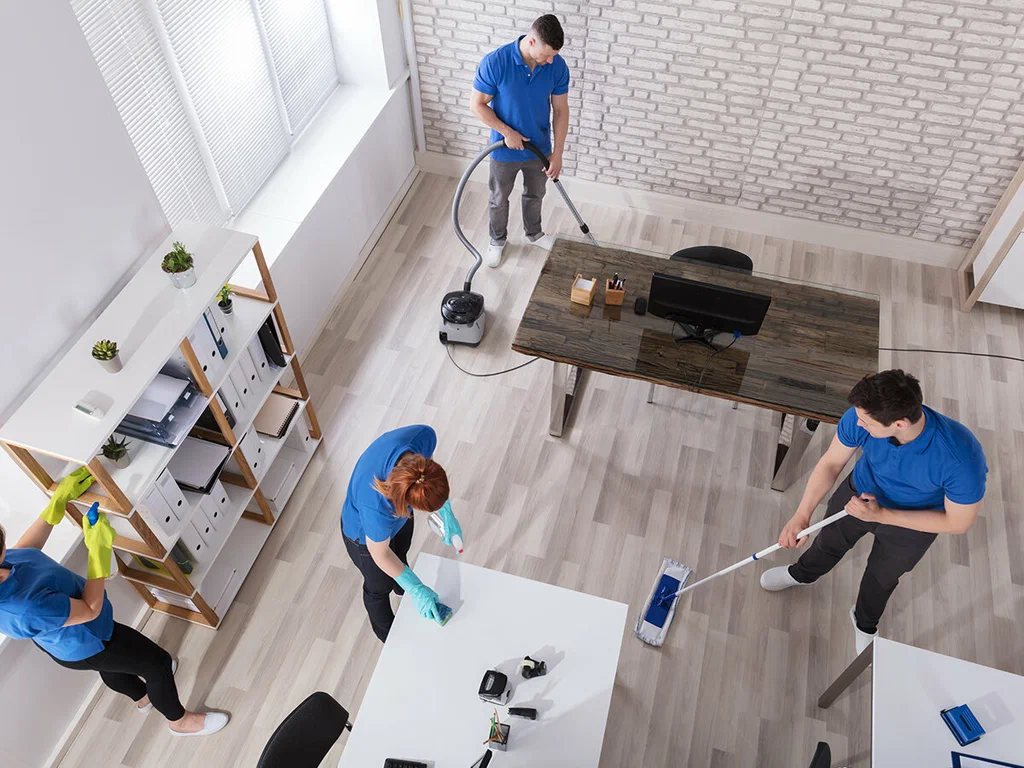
[[178, 333]]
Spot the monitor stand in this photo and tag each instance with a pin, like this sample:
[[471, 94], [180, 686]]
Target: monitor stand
[[696, 334]]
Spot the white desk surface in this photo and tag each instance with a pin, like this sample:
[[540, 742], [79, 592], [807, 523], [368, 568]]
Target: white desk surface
[[911, 686], [422, 701]]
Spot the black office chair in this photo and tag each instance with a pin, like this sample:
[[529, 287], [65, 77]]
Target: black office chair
[[719, 256], [822, 756], [305, 737]]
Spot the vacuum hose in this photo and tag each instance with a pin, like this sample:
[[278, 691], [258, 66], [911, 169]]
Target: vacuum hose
[[477, 258]]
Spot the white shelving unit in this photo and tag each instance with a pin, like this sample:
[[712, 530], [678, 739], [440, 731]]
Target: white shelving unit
[[152, 321]]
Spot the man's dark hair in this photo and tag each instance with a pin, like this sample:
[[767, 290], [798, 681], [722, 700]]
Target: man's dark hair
[[888, 396], [2, 537], [549, 31]]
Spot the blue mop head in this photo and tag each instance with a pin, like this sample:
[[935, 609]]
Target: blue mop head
[[656, 616], [661, 604]]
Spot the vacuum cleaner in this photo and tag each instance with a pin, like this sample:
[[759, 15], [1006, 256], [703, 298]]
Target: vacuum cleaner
[[656, 617], [462, 312]]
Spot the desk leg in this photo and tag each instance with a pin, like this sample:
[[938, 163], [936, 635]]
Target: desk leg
[[565, 385], [851, 673], [787, 457]]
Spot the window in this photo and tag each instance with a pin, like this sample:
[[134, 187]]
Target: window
[[212, 92]]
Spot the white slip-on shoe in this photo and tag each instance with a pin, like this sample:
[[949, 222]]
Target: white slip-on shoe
[[174, 668], [214, 722], [492, 257], [546, 242], [778, 579], [863, 639]]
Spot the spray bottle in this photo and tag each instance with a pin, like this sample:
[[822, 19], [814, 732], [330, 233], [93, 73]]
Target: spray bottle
[[93, 515], [437, 526]]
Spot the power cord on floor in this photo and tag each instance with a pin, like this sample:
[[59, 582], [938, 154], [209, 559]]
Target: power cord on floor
[[448, 347], [953, 352]]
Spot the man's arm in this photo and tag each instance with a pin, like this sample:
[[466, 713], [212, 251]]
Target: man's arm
[[479, 105], [560, 123], [957, 518], [89, 607], [36, 535], [822, 478]]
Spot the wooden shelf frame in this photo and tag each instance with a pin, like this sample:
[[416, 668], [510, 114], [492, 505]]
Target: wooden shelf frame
[[113, 501]]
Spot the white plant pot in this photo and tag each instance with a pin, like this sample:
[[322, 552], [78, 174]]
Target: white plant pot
[[113, 365], [124, 461], [184, 279]]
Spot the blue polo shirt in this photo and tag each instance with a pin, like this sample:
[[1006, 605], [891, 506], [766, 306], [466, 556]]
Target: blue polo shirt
[[35, 601], [522, 99], [366, 513], [944, 461]]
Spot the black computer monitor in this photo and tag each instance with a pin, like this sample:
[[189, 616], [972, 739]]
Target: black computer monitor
[[707, 308]]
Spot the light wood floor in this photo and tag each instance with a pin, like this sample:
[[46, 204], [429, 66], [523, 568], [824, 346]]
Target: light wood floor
[[687, 477]]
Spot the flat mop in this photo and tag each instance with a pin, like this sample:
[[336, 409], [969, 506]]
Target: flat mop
[[656, 617]]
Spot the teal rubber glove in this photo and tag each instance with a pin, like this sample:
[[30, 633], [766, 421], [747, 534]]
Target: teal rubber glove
[[99, 540], [452, 529], [423, 596], [71, 487]]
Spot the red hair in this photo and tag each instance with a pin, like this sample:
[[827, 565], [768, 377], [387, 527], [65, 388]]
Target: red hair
[[415, 481]]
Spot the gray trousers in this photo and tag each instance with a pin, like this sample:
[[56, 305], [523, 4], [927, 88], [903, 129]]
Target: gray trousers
[[503, 177]]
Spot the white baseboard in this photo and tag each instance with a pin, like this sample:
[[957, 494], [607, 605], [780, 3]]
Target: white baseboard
[[730, 216]]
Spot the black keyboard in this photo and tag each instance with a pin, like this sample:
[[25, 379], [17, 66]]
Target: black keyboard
[[392, 762]]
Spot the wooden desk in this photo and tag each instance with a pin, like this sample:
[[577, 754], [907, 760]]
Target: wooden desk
[[815, 343], [910, 686]]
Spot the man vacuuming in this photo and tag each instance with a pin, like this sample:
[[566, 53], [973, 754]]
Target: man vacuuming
[[920, 474], [516, 90]]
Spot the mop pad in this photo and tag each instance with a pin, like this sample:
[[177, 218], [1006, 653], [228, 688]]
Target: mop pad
[[656, 616]]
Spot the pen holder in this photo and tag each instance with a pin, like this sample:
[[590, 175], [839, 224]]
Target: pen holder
[[502, 746], [581, 293], [612, 296]]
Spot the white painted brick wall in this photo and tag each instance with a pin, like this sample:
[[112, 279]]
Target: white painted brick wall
[[901, 116]]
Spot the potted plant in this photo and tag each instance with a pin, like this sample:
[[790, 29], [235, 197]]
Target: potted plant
[[224, 300], [179, 267], [116, 451], [107, 353]]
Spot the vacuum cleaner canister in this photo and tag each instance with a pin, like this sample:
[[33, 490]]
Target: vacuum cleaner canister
[[462, 318]]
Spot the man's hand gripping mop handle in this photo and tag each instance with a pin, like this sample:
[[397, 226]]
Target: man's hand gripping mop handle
[[764, 552]]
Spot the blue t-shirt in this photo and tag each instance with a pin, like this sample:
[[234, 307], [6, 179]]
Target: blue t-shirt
[[366, 513], [944, 461], [522, 99], [35, 601]]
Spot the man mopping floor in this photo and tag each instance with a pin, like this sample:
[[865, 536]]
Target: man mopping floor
[[921, 474]]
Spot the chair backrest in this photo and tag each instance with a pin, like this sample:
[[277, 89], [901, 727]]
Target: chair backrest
[[714, 254], [822, 756], [305, 737]]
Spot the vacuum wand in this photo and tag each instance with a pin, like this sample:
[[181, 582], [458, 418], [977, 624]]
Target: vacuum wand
[[561, 190], [764, 552]]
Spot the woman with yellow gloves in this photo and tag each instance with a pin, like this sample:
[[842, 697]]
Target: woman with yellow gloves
[[71, 619]]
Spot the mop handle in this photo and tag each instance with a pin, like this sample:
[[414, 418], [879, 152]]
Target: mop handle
[[765, 552]]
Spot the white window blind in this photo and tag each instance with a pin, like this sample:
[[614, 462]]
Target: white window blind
[[128, 53], [300, 46], [211, 91]]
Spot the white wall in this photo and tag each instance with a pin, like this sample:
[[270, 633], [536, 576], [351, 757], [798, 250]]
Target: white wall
[[76, 214]]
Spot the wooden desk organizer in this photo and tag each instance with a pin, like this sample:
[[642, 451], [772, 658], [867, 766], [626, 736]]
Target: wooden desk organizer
[[582, 295], [613, 297]]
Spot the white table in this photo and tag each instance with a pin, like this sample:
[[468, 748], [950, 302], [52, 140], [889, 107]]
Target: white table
[[910, 686], [422, 701]]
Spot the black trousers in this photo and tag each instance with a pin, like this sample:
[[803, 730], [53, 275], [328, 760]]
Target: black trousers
[[895, 552], [132, 664], [377, 585]]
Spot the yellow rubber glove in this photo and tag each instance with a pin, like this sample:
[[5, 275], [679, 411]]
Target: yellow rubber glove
[[99, 540], [71, 487]]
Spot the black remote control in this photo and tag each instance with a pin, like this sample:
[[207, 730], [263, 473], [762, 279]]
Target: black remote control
[[528, 712]]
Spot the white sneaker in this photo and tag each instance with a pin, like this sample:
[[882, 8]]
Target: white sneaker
[[174, 668], [214, 722], [863, 639], [492, 258], [546, 242], [778, 579]]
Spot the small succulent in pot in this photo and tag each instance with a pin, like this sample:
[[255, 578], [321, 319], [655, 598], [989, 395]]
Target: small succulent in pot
[[179, 266], [107, 353], [224, 300], [116, 451]]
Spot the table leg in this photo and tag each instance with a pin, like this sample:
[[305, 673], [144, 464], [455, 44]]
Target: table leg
[[851, 673], [565, 385], [787, 457]]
